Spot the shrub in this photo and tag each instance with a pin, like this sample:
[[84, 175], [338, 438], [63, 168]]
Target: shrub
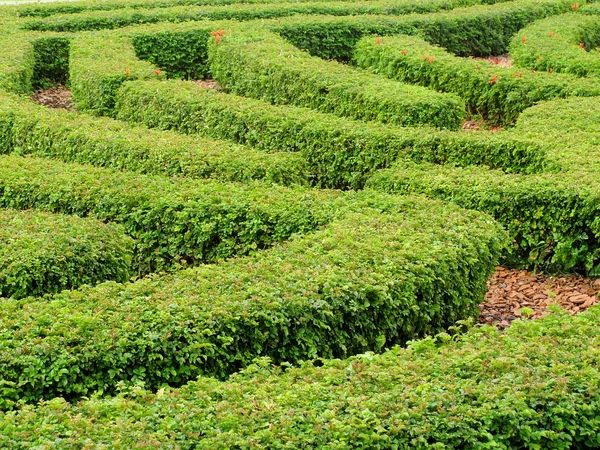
[[385, 269], [42, 253]]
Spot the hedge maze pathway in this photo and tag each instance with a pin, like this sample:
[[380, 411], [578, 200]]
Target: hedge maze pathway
[[295, 259]]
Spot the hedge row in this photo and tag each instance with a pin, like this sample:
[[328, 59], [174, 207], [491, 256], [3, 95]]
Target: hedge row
[[16, 60], [42, 253], [565, 43], [340, 152], [474, 31], [99, 64], [384, 270], [552, 218], [31, 129], [97, 20], [264, 66], [497, 93], [400, 6], [533, 386], [172, 221]]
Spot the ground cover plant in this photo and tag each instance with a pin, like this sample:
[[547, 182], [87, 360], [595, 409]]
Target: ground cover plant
[[262, 225]]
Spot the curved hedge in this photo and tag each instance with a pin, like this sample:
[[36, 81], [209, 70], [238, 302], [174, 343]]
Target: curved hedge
[[564, 43], [340, 152], [533, 386], [500, 94], [70, 137], [173, 221], [261, 65], [42, 253], [385, 269]]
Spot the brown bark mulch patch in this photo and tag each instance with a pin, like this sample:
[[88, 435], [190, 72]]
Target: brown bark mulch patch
[[209, 84], [509, 291], [501, 61], [55, 97]]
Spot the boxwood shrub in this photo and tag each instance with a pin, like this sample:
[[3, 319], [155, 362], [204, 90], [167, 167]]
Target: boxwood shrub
[[42, 253], [533, 386], [385, 269]]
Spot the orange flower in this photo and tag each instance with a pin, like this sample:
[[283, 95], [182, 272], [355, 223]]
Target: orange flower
[[524, 39], [551, 34], [582, 45], [377, 41], [550, 69], [557, 35], [431, 59], [157, 72], [478, 67], [518, 74], [574, 6], [494, 79], [127, 72], [496, 61], [425, 57], [403, 52], [217, 38]]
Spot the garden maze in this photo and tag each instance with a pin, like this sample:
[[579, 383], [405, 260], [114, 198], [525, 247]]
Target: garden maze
[[262, 262]]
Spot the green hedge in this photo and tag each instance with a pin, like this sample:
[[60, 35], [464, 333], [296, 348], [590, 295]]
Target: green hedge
[[474, 31], [500, 94], [384, 270], [42, 253], [172, 221], [556, 44], [97, 20], [70, 137], [340, 152], [532, 386], [98, 65], [399, 6], [16, 60], [259, 64]]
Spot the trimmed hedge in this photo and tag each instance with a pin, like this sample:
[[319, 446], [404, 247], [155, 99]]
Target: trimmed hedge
[[500, 94], [340, 152], [384, 270], [475, 31], [16, 61], [532, 386], [564, 43], [97, 20], [35, 130], [98, 65], [42, 253], [172, 221], [264, 66], [400, 6]]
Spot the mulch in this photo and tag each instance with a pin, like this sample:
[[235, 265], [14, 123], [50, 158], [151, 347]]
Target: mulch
[[509, 291], [55, 97], [504, 61]]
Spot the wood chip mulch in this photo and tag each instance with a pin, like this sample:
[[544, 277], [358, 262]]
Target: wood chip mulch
[[55, 97], [511, 290], [209, 84], [501, 61]]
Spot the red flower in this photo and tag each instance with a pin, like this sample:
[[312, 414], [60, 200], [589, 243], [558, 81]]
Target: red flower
[[403, 52], [582, 45], [551, 34], [574, 6], [157, 72], [377, 41], [524, 39], [496, 61], [217, 38], [494, 79]]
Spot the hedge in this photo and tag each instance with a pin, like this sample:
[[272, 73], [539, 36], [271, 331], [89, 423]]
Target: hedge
[[533, 386], [262, 65], [99, 64], [97, 20], [384, 270], [70, 137], [400, 6], [564, 43], [16, 61], [475, 31], [551, 217], [499, 94], [340, 152], [42, 253], [173, 221]]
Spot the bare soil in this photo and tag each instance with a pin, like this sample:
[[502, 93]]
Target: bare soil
[[504, 61], [55, 97]]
